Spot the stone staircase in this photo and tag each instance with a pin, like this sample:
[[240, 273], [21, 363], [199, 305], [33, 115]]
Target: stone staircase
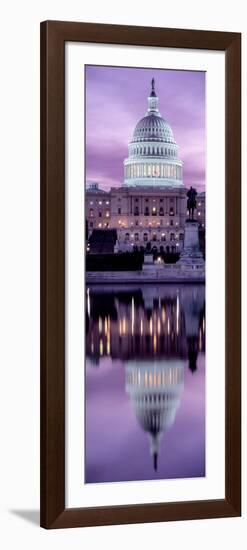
[[102, 241]]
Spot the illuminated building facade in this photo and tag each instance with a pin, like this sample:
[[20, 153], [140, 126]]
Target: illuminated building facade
[[150, 206]]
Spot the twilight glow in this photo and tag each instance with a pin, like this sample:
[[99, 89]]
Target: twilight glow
[[116, 98]]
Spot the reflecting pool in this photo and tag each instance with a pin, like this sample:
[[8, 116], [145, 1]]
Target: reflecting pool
[[145, 382]]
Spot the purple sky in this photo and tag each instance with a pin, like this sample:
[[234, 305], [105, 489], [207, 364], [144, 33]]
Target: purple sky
[[116, 98]]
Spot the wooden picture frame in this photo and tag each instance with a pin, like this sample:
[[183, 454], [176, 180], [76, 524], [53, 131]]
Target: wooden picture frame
[[54, 35]]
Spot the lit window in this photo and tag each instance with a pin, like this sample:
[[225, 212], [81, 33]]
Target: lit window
[[91, 202], [199, 213], [100, 202], [107, 214]]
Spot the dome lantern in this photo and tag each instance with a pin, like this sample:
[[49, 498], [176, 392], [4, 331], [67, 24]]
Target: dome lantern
[[153, 101]]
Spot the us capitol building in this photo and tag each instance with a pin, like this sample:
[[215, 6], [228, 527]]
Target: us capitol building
[[150, 206]]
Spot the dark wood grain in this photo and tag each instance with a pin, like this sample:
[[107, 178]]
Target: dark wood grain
[[54, 34], [233, 274]]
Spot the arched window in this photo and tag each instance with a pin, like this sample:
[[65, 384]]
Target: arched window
[[91, 212], [145, 237], [136, 237], [181, 237], [154, 237], [127, 236]]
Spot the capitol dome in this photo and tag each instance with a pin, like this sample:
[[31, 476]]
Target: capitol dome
[[154, 390], [154, 128], [153, 152]]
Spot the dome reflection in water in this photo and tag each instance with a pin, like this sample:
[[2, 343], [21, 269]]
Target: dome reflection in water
[[145, 382]]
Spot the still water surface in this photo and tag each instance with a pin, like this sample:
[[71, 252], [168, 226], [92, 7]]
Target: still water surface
[[145, 382]]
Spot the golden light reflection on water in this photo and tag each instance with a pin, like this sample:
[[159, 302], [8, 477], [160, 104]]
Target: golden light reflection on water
[[171, 327]]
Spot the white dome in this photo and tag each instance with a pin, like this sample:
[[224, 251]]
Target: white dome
[[154, 390], [153, 152], [153, 128]]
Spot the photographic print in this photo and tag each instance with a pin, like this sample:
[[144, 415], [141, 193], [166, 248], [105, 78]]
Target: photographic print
[[145, 212]]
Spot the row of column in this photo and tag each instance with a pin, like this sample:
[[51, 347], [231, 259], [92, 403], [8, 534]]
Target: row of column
[[153, 170]]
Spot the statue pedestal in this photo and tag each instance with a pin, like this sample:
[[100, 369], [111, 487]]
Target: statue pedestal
[[191, 254]]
